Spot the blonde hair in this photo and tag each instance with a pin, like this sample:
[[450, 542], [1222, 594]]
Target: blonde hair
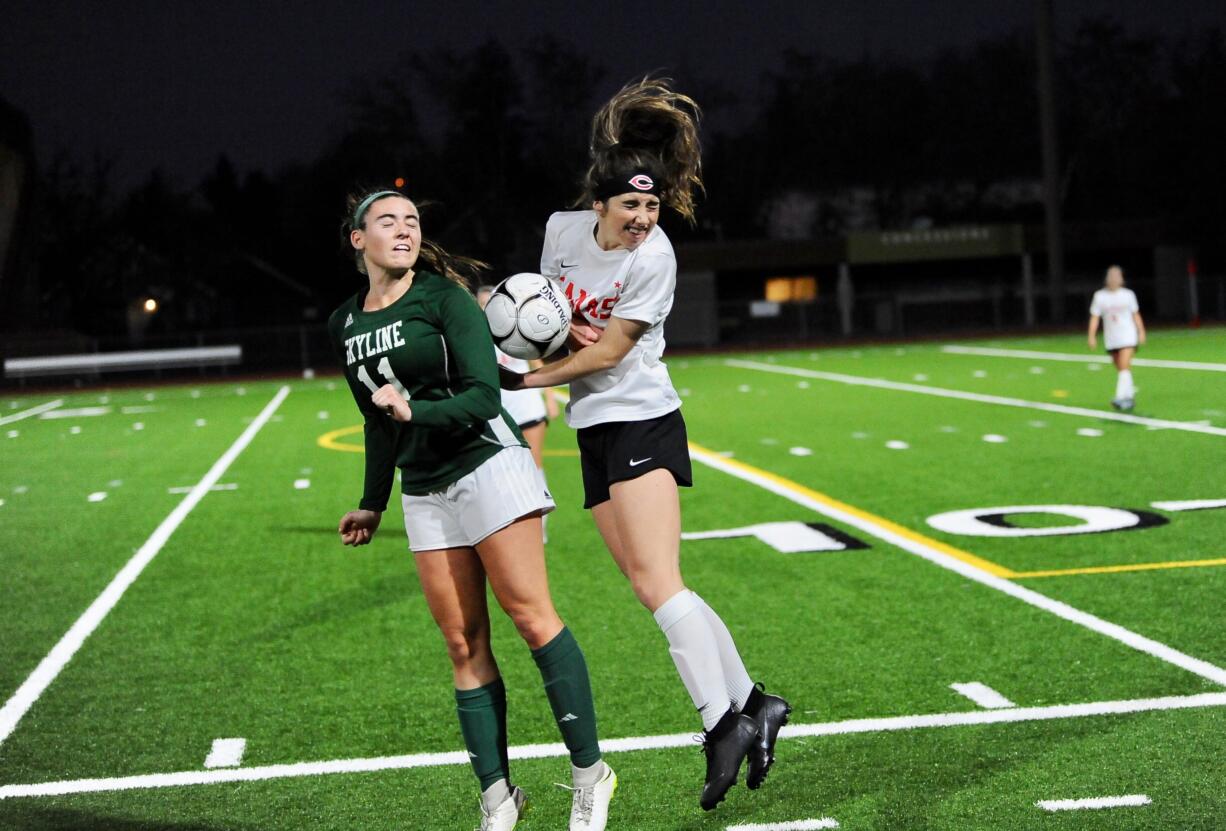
[[649, 126], [460, 270]]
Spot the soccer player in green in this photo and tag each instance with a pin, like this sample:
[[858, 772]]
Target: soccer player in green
[[420, 363]]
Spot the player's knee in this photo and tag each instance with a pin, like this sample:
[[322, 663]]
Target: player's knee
[[536, 627], [466, 644]]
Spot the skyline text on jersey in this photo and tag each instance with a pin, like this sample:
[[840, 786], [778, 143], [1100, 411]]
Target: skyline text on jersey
[[384, 339]]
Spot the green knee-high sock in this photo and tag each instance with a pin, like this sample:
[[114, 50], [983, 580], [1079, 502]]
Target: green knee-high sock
[[483, 722], [570, 695]]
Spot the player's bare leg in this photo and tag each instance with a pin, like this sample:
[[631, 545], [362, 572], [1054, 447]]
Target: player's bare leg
[[514, 559], [453, 582]]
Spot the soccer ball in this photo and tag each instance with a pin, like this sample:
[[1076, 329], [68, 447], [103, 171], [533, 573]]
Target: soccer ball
[[526, 317]]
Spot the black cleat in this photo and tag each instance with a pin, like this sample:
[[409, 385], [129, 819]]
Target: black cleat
[[725, 747], [769, 712]]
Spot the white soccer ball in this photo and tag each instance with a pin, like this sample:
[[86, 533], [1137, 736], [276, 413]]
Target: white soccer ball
[[526, 317]]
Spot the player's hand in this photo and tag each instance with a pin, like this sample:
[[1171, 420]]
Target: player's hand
[[509, 379], [1141, 340], [390, 401], [551, 405], [1093, 343], [358, 527], [582, 334]]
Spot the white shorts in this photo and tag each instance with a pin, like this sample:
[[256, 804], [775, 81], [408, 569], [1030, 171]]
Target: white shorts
[[504, 488], [525, 406]]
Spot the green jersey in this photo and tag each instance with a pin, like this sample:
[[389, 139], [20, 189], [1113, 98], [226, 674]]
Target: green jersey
[[433, 345]]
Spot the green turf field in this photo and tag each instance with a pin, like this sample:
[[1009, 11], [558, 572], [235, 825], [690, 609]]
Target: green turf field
[[251, 621]]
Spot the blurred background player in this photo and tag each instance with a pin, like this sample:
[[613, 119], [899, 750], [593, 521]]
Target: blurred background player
[[531, 409], [1123, 332], [419, 360], [617, 269]]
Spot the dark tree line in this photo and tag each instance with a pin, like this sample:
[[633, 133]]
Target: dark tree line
[[493, 140]]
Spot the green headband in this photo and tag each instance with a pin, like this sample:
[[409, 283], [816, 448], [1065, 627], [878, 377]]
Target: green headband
[[365, 204]]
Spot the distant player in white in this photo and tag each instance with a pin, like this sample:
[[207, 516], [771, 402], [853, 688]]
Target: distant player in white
[[531, 409], [616, 267], [1123, 332]]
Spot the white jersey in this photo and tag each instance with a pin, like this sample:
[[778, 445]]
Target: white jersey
[[1116, 308], [633, 285], [525, 406]]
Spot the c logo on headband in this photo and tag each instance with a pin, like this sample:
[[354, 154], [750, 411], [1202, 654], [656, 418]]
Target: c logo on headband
[[642, 182]]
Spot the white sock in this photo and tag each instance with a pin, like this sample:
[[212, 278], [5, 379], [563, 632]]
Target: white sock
[[696, 654], [495, 795], [1123, 384], [740, 685], [587, 777]]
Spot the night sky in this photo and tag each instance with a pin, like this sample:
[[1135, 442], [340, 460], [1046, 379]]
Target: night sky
[[174, 83]]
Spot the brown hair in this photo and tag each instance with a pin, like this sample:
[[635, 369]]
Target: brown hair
[[649, 126], [433, 256]]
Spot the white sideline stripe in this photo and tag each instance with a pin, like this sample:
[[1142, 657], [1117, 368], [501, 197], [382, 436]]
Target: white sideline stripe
[[795, 825], [1080, 359], [74, 413], [224, 486], [1190, 505], [62, 652], [33, 411], [881, 383], [1135, 800], [624, 745], [983, 695], [226, 753], [932, 555]]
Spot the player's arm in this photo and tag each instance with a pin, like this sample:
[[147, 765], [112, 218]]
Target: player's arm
[[1092, 335], [471, 350], [615, 343], [1136, 318], [359, 527]]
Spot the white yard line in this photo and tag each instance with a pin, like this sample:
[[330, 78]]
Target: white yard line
[[933, 555], [33, 411], [983, 695], [624, 745], [992, 352], [226, 753], [1190, 505], [898, 386], [1095, 803], [47, 670], [794, 825]]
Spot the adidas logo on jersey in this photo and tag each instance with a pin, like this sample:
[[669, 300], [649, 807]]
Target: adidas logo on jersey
[[569, 717], [349, 321]]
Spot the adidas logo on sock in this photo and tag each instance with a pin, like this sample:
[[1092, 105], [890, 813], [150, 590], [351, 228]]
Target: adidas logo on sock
[[569, 717]]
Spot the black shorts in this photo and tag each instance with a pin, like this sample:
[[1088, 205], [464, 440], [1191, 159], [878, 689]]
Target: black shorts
[[623, 450]]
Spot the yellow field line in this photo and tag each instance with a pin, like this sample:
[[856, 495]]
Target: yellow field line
[[881, 522], [328, 440], [1064, 572]]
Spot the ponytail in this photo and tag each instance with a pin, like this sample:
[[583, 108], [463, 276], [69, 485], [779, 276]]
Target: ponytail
[[646, 130]]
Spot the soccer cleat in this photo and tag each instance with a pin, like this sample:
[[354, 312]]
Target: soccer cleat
[[506, 815], [770, 713], [589, 807], [725, 747]]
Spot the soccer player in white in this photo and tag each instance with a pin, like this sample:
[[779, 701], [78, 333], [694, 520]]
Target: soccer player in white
[[616, 267], [1123, 332]]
